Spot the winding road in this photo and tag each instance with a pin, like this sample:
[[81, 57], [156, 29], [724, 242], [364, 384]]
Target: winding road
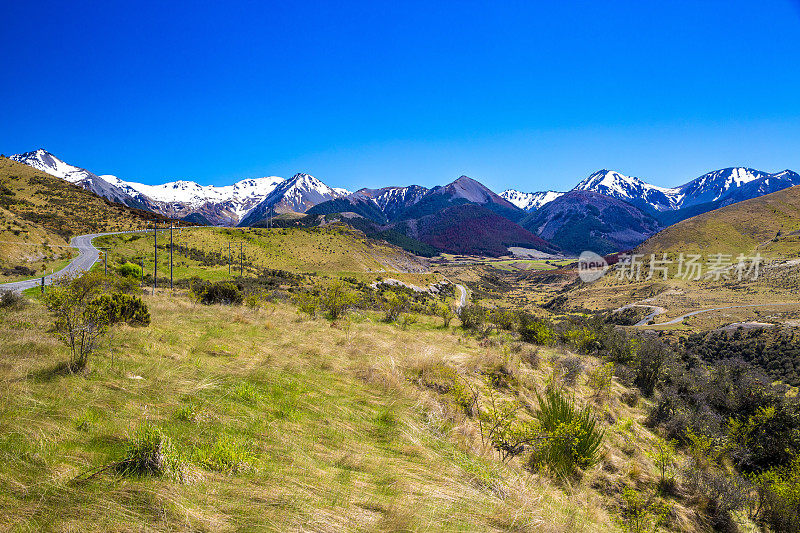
[[462, 301], [87, 257], [657, 310]]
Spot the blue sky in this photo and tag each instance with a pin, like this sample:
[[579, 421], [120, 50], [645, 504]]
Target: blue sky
[[530, 95]]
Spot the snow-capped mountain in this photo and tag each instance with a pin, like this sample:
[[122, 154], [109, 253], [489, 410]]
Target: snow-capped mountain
[[297, 194], [46, 162], [720, 184], [219, 205], [631, 189], [394, 200], [529, 201], [225, 205]]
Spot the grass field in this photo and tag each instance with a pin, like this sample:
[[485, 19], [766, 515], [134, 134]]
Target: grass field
[[286, 423], [331, 250], [39, 213]]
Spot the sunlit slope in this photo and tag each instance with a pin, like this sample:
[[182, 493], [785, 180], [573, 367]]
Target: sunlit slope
[[769, 224], [205, 252], [39, 213], [313, 427]]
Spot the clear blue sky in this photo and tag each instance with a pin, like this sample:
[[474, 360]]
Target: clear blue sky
[[531, 95]]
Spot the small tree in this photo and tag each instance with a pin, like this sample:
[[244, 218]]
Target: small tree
[[663, 457], [337, 299], [443, 311], [306, 303], [393, 305], [78, 321], [600, 380]]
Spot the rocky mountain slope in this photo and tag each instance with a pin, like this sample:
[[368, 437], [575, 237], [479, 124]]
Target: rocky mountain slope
[[586, 220]]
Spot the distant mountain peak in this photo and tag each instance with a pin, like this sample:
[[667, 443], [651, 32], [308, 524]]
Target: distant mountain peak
[[630, 189], [529, 201]]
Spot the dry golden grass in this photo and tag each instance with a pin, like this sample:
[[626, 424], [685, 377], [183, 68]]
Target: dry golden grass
[[339, 431]]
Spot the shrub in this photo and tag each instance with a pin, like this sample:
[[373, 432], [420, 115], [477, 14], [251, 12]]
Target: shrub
[[337, 299], [130, 270], [535, 331], [583, 340], [306, 303], [443, 311], [11, 300], [663, 456], [472, 317], [600, 379], [393, 305], [501, 428], [78, 321], [572, 438], [640, 513], [150, 453], [651, 360], [568, 369], [779, 495], [220, 292], [120, 307]]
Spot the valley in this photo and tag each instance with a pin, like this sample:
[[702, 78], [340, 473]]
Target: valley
[[313, 372]]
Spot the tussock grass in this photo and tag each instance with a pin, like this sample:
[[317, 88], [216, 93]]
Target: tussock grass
[[295, 426]]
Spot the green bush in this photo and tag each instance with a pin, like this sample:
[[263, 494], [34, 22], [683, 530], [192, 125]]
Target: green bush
[[535, 331], [779, 495], [307, 303], [393, 304], [640, 513], [78, 321], [120, 307], [130, 270], [337, 299], [220, 292], [472, 317], [572, 438]]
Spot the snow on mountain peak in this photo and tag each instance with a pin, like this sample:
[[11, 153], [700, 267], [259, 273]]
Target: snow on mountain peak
[[43, 160], [529, 201], [630, 189]]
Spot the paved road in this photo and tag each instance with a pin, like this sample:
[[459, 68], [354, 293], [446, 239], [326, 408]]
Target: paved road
[[462, 301], [660, 311], [87, 257], [687, 315]]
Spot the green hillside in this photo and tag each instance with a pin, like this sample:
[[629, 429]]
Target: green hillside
[[333, 249], [39, 213], [769, 224]]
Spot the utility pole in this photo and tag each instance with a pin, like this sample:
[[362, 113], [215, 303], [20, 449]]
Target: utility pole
[[170, 256], [155, 256]]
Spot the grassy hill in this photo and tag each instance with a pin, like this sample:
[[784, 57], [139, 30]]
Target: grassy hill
[[39, 213], [334, 249], [769, 224], [292, 424]]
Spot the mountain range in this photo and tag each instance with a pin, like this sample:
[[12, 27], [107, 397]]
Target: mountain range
[[206, 204], [710, 191], [606, 212]]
